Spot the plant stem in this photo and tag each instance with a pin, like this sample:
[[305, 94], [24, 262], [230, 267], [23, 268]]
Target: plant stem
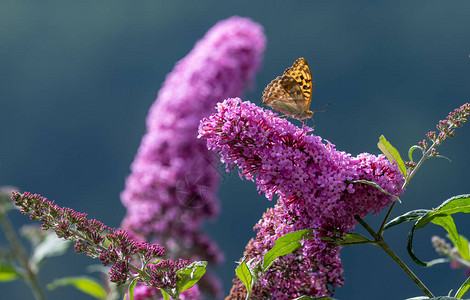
[[381, 229], [405, 183], [420, 162], [19, 252], [378, 237], [381, 243], [405, 268]]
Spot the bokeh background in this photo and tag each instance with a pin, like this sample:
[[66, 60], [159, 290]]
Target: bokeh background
[[77, 80]]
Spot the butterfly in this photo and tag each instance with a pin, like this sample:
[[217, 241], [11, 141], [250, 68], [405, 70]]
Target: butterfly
[[291, 93]]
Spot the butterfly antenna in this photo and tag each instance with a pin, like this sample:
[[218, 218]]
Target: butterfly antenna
[[325, 105]]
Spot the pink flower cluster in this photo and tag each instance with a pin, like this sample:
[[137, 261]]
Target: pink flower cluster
[[113, 247], [313, 182], [172, 187]]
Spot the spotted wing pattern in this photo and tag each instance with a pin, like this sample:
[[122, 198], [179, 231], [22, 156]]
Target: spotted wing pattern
[[300, 71], [284, 95], [291, 93]]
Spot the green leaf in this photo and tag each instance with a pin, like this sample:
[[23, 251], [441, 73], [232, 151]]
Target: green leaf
[[442, 215], [190, 275], [8, 273], [130, 290], [284, 245], [463, 289], [376, 185], [354, 239], [392, 154], [465, 250], [246, 276], [165, 295], [85, 284], [155, 261], [409, 216], [436, 298], [106, 242], [347, 240], [49, 247], [410, 152]]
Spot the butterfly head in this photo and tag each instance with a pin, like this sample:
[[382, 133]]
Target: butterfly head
[[304, 115]]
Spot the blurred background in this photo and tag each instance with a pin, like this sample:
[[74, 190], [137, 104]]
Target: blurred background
[[77, 80]]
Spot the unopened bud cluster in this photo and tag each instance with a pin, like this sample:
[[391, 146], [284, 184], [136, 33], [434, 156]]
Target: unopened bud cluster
[[447, 126], [441, 246], [445, 249], [446, 129], [112, 246]]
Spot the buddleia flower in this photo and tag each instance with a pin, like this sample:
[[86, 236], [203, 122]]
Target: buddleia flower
[[174, 178]]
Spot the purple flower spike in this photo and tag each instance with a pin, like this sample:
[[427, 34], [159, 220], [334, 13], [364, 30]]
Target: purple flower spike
[[114, 248], [174, 179], [313, 183]]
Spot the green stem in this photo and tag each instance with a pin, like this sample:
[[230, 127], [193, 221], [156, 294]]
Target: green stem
[[379, 235], [381, 243], [405, 268], [405, 183], [20, 254], [382, 226], [420, 162], [425, 156]]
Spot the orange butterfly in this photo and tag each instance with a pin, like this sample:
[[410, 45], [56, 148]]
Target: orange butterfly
[[291, 93]]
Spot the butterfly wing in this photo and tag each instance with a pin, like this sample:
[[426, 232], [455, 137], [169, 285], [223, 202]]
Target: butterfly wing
[[284, 95], [300, 71]]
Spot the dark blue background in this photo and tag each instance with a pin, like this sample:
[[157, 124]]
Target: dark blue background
[[77, 80]]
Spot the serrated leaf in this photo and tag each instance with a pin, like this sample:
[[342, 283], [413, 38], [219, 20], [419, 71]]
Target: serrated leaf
[[376, 185], [442, 215], [8, 273], [413, 215], [244, 273], [85, 284], [463, 289], [49, 247], [284, 245], [392, 154], [190, 275]]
